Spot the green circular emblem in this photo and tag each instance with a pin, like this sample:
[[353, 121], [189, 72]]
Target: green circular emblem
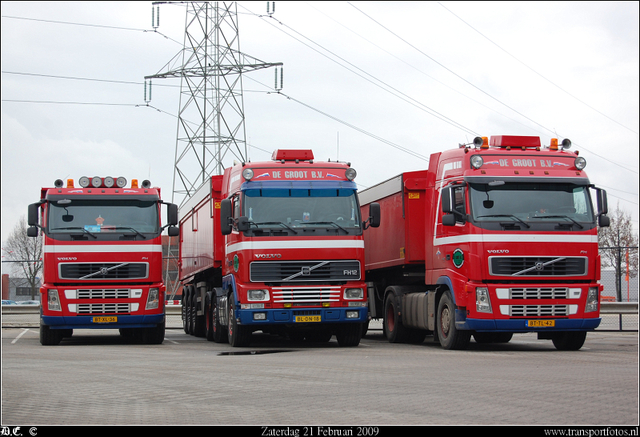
[[458, 258], [236, 263]]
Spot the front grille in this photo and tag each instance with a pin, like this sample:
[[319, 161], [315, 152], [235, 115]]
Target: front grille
[[305, 295], [537, 266], [538, 310], [104, 271], [103, 308], [538, 293], [305, 271], [106, 293]]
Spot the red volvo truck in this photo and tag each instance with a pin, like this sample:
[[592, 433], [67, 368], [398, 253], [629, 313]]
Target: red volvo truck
[[275, 247], [102, 258], [493, 239]]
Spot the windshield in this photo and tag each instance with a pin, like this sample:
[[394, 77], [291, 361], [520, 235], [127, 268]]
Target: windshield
[[302, 210], [100, 215], [531, 203]]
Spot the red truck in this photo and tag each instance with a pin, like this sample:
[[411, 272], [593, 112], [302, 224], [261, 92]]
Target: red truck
[[493, 239], [102, 258], [275, 247]]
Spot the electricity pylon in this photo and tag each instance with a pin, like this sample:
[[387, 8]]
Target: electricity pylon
[[211, 128], [211, 121]]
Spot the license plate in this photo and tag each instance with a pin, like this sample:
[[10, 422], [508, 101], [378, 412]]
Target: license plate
[[111, 319], [307, 319], [541, 323]]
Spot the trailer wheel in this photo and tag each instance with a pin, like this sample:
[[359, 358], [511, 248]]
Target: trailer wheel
[[391, 323], [186, 309], [569, 341], [450, 337], [349, 335], [238, 335], [48, 336]]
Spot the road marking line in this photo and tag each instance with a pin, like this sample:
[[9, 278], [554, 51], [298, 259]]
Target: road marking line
[[19, 335]]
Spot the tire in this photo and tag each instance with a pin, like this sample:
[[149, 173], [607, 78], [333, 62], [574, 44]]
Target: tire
[[192, 312], [391, 323], [154, 335], [349, 334], [48, 336], [239, 335], [198, 321], [186, 311], [569, 341], [450, 337], [208, 319]]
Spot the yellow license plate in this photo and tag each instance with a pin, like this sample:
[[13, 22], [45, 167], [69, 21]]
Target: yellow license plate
[[110, 319], [307, 319], [541, 323]]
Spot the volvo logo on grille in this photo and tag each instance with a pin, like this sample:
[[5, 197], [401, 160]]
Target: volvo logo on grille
[[306, 271], [539, 266], [104, 271]]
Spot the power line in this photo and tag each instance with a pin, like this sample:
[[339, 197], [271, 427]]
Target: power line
[[380, 83], [534, 71], [481, 90]]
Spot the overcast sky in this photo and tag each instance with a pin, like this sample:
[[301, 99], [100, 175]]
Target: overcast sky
[[381, 85]]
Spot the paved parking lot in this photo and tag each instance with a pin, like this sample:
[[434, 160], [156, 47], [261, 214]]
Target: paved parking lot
[[98, 378]]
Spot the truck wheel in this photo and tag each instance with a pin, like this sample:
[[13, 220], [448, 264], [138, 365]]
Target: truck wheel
[[238, 335], [48, 336], [349, 335], [449, 336], [391, 324], [154, 335], [208, 322], [569, 341], [192, 312], [186, 310]]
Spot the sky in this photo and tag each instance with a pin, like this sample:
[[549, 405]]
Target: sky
[[381, 85]]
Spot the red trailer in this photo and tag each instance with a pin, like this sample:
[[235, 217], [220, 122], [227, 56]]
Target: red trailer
[[491, 240], [275, 247]]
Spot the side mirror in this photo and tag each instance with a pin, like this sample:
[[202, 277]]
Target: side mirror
[[447, 200], [225, 216], [32, 218], [243, 224], [601, 196], [604, 221], [173, 231], [32, 231], [449, 220], [172, 214], [374, 216]]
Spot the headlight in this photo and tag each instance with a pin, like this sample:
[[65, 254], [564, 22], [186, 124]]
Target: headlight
[[153, 299], [53, 301], [476, 161], [247, 174], [592, 300], [483, 303], [257, 295], [353, 293], [580, 163], [350, 173]]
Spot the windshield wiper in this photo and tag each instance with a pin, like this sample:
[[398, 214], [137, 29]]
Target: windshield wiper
[[558, 216], [506, 215], [74, 228], [131, 229], [327, 223], [276, 223]]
